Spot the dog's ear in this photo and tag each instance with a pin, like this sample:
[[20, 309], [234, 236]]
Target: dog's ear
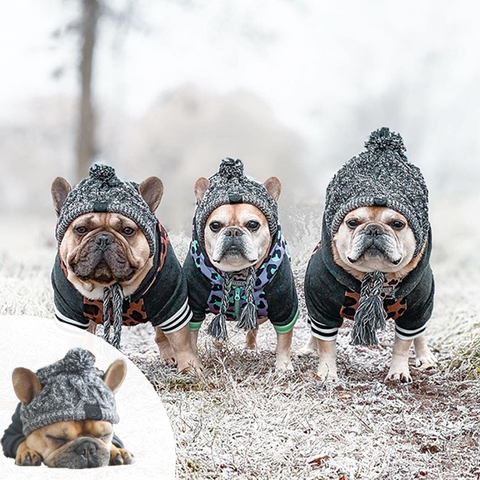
[[274, 187], [26, 384], [201, 186], [115, 375], [60, 189], [151, 190]]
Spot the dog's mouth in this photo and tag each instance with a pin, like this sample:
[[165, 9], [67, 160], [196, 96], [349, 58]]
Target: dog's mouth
[[102, 265], [378, 248]]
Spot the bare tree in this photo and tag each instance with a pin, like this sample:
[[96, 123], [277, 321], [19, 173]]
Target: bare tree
[[86, 142]]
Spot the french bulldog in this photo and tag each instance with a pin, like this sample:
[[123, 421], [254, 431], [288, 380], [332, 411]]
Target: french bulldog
[[100, 249], [68, 444], [373, 262], [237, 237]]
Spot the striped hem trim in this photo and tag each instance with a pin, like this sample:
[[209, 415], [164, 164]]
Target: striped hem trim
[[179, 314], [180, 319], [289, 326], [404, 334], [322, 332], [62, 318]]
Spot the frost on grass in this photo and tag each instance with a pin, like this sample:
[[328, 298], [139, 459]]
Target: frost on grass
[[240, 419]]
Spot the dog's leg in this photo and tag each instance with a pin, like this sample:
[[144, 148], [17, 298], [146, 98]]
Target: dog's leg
[[166, 350], [194, 341], [399, 370], [327, 359], [424, 358], [92, 327], [283, 360], [251, 338], [184, 354], [309, 347]]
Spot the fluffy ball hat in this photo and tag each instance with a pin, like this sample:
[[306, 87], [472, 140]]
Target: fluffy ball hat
[[380, 176], [72, 389], [229, 186], [103, 191]]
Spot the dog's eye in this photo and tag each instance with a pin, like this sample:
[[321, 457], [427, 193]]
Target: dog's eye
[[253, 225], [81, 230], [128, 231], [352, 223], [397, 224], [59, 441], [215, 227]]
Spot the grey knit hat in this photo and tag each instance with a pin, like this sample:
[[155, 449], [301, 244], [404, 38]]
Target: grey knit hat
[[72, 389], [383, 176], [229, 186], [103, 191]]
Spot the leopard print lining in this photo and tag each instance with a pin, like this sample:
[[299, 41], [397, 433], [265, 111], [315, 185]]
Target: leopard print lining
[[395, 308]]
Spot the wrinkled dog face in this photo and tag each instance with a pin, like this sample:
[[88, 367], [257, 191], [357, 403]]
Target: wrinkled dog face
[[374, 239], [237, 235], [100, 249], [80, 444], [103, 248]]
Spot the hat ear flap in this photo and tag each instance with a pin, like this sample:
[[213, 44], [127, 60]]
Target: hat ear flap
[[151, 190], [201, 186], [26, 384], [115, 375], [274, 187], [60, 190]]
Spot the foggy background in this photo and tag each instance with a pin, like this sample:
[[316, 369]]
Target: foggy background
[[292, 87]]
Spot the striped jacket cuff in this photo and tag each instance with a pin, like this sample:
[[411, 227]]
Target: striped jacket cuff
[[322, 331], [406, 334], [178, 320]]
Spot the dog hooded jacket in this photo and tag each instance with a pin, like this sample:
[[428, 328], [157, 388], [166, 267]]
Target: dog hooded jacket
[[379, 176], [268, 291]]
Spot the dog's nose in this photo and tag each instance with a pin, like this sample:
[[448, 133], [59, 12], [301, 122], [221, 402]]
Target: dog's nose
[[86, 449], [373, 230], [103, 240], [233, 232]]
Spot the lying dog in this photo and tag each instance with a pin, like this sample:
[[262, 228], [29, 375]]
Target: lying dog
[[239, 267], [116, 265], [66, 415], [373, 260]]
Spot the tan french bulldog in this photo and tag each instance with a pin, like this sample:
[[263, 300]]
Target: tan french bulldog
[[83, 443], [100, 249], [373, 261], [376, 239], [237, 236]]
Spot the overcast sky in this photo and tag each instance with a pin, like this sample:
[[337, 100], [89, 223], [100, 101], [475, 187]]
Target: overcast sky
[[310, 61]]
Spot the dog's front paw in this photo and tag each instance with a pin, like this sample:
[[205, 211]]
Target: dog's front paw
[[283, 364], [167, 353], [120, 456], [309, 347], [26, 457], [424, 358], [189, 363], [327, 371], [399, 371]]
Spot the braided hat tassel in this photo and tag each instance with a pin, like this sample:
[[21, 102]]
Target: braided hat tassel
[[218, 326], [370, 314], [248, 317], [113, 300]]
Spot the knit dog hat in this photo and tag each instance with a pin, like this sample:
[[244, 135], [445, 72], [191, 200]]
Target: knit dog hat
[[229, 186], [72, 389], [383, 176], [103, 191]]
